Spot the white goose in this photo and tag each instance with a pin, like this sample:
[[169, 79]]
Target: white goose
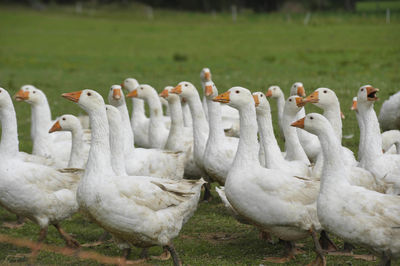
[[139, 120], [140, 161], [383, 166], [41, 193], [274, 201], [79, 148], [139, 210], [56, 146], [158, 132], [220, 150], [389, 116], [358, 215], [275, 92], [180, 138], [391, 141], [273, 156]]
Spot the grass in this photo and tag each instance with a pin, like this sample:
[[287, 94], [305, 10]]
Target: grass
[[60, 51], [377, 6]]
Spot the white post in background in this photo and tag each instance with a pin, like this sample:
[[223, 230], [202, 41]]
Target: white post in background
[[288, 17], [78, 7], [213, 14], [149, 12], [307, 18], [387, 16], [234, 13]]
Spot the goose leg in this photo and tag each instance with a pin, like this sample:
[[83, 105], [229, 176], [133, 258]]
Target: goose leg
[[144, 254], [17, 224], [175, 258], [99, 242], [290, 252], [326, 243], [207, 192], [320, 260], [348, 247], [69, 240], [125, 254], [385, 261], [166, 255], [35, 250]]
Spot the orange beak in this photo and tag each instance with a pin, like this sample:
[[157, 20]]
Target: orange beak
[[300, 102], [256, 100], [122, 85], [342, 115], [117, 94], [269, 93], [312, 98], [301, 92], [55, 127], [354, 106], [371, 93], [132, 94], [209, 90], [207, 76], [21, 95], [72, 96], [164, 94], [177, 89], [223, 98], [299, 123]]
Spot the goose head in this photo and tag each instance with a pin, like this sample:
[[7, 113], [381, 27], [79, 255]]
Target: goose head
[[297, 89], [237, 97], [30, 94], [292, 105], [185, 90], [210, 91], [167, 95], [322, 98], [367, 95], [129, 84], [354, 105], [313, 123], [205, 74], [5, 99], [143, 91], [262, 104], [65, 123], [88, 100], [113, 114], [116, 95], [274, 92]]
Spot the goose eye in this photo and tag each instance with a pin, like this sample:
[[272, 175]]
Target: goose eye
[[362, 89], [186, 85], [290, 100], [0, 91], [34, 91], [89, 94], [64, 118], [107, 108], [261, 95], [111, 89], [141, 88], [311, 117], [237, 91], [274, 88], [325, 91]]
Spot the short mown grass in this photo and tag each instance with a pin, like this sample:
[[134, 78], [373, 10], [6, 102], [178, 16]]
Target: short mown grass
[[59, 51]]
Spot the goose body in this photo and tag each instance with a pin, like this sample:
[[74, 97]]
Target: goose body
[[389, 116]]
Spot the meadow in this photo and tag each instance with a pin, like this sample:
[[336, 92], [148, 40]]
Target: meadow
[[59, 50]]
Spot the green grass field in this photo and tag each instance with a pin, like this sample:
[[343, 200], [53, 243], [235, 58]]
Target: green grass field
[[60, 51]]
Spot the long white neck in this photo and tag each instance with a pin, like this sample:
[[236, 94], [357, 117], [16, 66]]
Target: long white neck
[[216, 132], [280, 101], [117, 147], [41, 117], [99, 162], [247, 152], [332, 113], [204, 100], [76, 159], [333, 165], [177, 125], [138, 113], [294, 150], [200, 128], [273, 154], [9, 131], [128, 143], [361, 144], [187, 117], [373, 137], [156, 122]]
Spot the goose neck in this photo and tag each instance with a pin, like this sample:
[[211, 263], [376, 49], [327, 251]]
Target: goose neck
[[138, 112], [332, 113], [41, 122], [280, 102], [155, 106], [294, 150], [176, 114], [128, 137], [216, 132], [372, 135], [76, 157], [9, 131]]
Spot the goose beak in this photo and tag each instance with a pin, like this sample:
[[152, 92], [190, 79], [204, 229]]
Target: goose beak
[[223, 98], [269, 93], [371, 93], [177, 89], [354, 106], [300, 102], [132, 94], [209, 90], [55, 127], [117, 94], [256, 100], [164, 94], [207, 76], [122, 85], [299, 123], [72, 96], [312, 98], [301, 92], [21, 95]]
